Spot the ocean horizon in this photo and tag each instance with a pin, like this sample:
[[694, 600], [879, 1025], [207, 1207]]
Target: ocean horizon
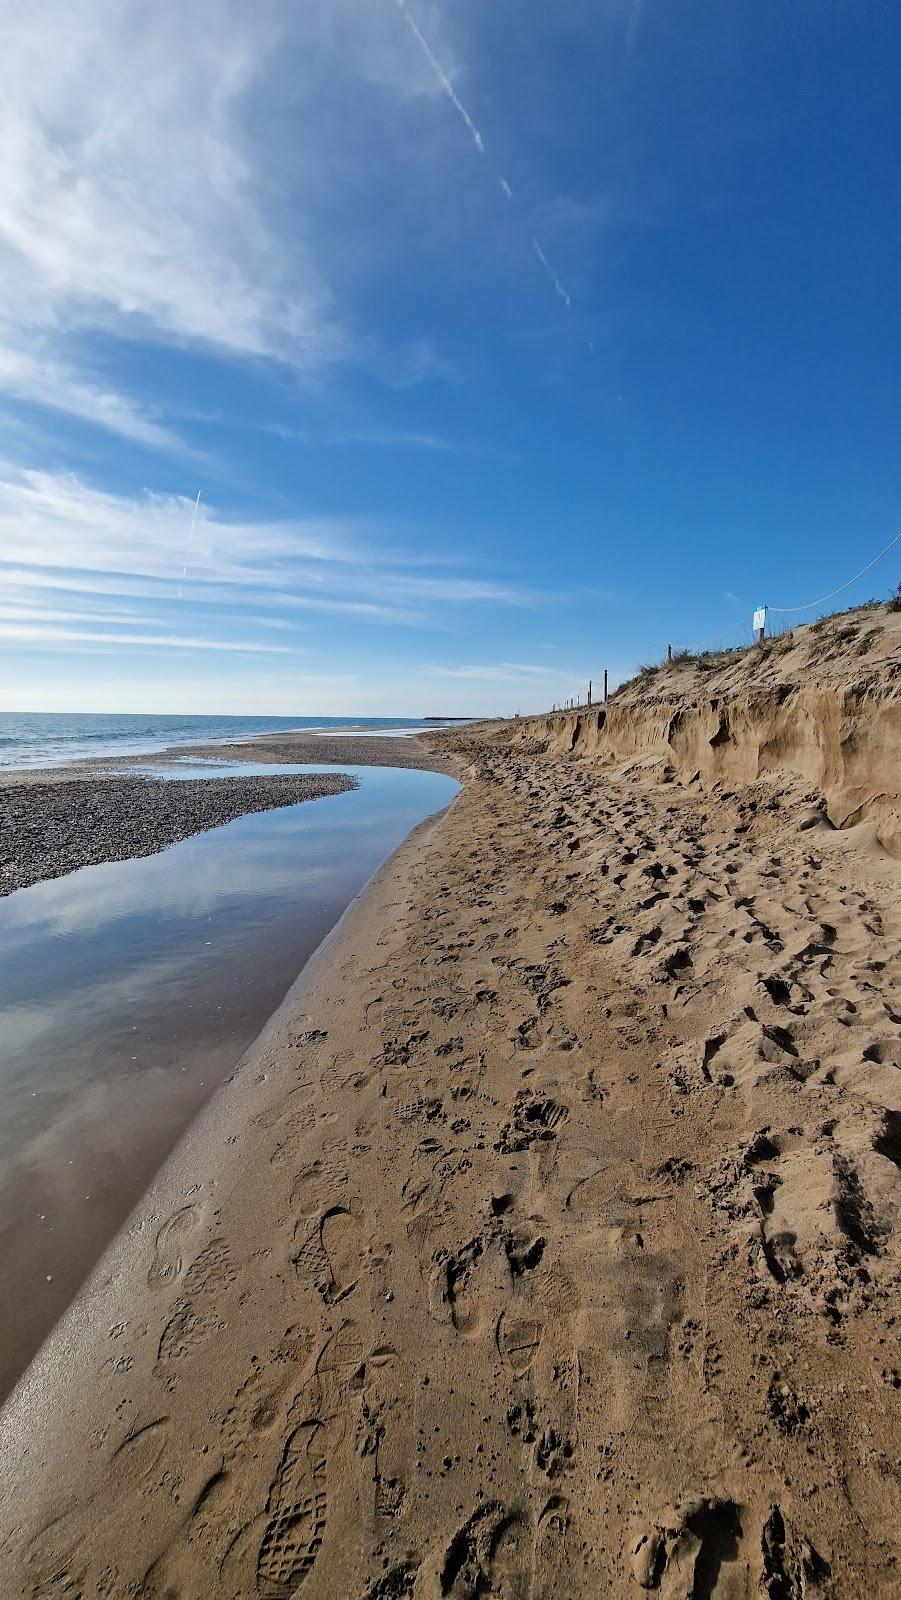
[[51, 739]]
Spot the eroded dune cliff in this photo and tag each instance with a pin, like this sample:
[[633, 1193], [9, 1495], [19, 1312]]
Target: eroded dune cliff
[[819, 707]]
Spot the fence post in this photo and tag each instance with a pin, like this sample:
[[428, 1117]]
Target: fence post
[[605, 686], [669, 653], [589, 691]]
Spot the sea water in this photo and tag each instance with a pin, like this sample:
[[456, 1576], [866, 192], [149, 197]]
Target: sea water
[[49, 739]]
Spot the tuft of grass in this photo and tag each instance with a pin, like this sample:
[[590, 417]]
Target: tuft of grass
[[895, 600]]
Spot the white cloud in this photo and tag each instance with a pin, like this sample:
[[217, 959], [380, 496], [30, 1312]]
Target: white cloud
[[66, 548], [26, 633], [462, 590], [129, 191], [63, 523], [26, 611], [379, 438], [37, 377], [164, 176], [511, 672], [186, 178]]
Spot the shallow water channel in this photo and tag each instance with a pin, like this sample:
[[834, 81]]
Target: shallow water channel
[[128, 992]]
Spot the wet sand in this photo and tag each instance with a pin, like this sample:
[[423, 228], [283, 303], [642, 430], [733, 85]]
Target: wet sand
[[545, 1245]]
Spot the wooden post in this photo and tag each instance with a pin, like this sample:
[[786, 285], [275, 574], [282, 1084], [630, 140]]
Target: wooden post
[[669, 652], [589, 691], [605, 686]]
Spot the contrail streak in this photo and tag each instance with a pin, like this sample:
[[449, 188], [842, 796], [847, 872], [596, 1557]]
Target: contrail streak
[[444, 80], [550, 271], [475, 135], [184, 570]]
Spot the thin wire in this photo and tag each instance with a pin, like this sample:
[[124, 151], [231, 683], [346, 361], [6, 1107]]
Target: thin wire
[[812, 604]]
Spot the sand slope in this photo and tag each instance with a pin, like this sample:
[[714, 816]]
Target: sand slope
[[546, 1246]]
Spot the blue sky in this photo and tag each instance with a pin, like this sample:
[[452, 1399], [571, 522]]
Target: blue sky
[[504, 344]]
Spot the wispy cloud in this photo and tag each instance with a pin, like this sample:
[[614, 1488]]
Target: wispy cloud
[[510, 672], [130, 203], [377, 438], [72, 554], [633, 22], [24, 610], [177, 187], [146, 194], [128, 199], [38, 378], [26, 633]]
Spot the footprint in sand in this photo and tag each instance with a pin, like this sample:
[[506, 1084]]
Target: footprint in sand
[[170, 1245], [332, 1251], [342, 1241], [491, 1554], [296, 1512], [135, 1458], [292, 1527], [386, 1430], [555, 1572], [703, 1546], [196, 1318], [315, 1186], [472, 1285], [518, 1339]]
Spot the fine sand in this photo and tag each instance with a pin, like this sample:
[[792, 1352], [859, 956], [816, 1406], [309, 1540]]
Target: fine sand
[[545, 1245]]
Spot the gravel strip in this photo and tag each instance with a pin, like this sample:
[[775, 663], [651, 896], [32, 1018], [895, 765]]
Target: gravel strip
[[48, 829]]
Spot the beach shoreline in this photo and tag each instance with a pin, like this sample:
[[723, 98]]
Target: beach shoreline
[[302, 747], [477, 1276]]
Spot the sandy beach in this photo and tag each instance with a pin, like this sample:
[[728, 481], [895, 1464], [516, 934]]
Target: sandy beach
[[546, 1243]]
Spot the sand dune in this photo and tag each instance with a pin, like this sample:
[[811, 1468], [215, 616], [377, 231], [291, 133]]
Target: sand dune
[[547, 1243]]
